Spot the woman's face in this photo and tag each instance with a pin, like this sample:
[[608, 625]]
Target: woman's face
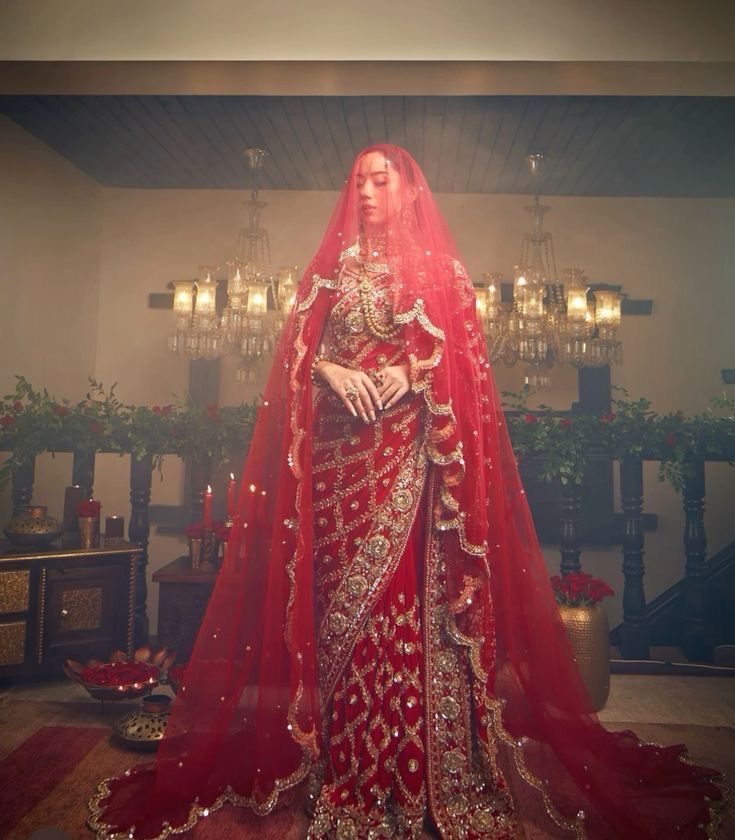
[[378, 190]]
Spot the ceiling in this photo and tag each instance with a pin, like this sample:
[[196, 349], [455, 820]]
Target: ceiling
[[594, 145]]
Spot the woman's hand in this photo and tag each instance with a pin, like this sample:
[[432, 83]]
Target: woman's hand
[[395, 384], [341, 379]]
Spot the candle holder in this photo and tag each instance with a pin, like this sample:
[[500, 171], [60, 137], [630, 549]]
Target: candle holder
[[209, 547], [195, 553], [114, 530]]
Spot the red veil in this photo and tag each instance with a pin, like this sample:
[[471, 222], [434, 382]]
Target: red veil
[[247, 723]]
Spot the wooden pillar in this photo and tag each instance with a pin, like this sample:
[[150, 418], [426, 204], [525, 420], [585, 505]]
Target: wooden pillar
[[138, 532], [570, 508], [635, 641], [83, 471], [22, 492], [204, 377], [697, 640]]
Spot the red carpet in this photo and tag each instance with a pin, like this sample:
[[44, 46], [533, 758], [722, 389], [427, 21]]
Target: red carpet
[[53, 754], [37, 766]]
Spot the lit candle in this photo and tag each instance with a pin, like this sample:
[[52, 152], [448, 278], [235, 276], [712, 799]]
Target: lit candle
[[231, 496], [208, 498]]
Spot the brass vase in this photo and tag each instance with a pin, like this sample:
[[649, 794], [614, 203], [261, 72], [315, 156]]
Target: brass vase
[[89, 531], [589, 634]]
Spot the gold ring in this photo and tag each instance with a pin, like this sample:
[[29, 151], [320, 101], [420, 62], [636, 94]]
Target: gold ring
[[352, 393]]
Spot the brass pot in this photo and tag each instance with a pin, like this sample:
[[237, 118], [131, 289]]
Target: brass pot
[[33, 527], [589, 634]]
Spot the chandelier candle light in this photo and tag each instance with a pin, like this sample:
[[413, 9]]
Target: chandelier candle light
[[547, 323]]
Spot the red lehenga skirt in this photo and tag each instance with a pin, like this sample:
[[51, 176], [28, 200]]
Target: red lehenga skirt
[[397, 710]]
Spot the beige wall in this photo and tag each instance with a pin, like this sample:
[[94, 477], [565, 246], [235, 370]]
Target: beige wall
[[132, 242], [50, 227], [565, 30]]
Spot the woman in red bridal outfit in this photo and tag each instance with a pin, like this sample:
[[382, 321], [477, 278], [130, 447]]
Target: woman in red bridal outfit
[[384, 631]]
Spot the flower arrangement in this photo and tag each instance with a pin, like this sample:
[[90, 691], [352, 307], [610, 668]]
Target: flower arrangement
[[122, 678], [89, 507], [195, 531], [33, 421], [632, 430], [578, 589]]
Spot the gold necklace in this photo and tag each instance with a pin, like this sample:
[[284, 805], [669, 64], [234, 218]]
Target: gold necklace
[[368, 309]]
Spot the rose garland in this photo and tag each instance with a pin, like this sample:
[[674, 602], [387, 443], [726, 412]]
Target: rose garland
[[32, 422]]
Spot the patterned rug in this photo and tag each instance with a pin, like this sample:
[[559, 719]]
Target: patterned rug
[[53, 754]]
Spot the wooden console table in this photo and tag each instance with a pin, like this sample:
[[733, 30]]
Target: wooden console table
[[58, 604], [182, 601]]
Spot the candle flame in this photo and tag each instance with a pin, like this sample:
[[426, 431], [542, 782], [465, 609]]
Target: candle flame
[[232, 476], [209, 490]]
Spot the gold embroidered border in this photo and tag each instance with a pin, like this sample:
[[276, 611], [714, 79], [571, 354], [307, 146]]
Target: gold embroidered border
[[461, 795], [497, 731], [418, 313], [105, 832], [318, 282]]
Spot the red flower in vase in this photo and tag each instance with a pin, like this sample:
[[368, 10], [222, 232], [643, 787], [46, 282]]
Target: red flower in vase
[[61, 410], [579, 589], [195, 531], [6, 421], [530, 419], [89, 507]]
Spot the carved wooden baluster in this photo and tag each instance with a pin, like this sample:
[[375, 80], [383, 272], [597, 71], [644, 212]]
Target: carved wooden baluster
[[22, 492], [570, 507], [83, 471], [634, 643], [697, 638], [140, 497]]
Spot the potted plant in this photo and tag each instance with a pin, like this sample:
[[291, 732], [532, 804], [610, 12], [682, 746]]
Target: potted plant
[[579, 595]]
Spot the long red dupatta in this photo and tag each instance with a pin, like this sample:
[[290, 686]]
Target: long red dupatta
[[247, 724]]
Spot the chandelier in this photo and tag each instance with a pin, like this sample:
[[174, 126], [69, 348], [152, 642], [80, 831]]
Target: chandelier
[[548, 323], [258, 298]]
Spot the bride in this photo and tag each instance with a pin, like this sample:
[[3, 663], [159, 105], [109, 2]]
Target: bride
[[383, 633]]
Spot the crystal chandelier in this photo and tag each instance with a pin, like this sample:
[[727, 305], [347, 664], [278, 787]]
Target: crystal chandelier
[[548, 323], [258, 299]]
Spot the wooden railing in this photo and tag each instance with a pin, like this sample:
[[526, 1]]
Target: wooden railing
[[697, 637]]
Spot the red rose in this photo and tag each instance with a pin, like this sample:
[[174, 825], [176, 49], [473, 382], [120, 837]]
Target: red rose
[[61, 410], [17, 406], [157, 409], [6, 421], [608, 418], [566, 422], [671, 440], [195, 531], [89, 507], [531, 419], [167, 410], [95, 427], [213, 411]]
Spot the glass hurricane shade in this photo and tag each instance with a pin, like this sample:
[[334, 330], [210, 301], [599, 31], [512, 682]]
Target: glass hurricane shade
[[607, 309], [257, 299], [205, 305]]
